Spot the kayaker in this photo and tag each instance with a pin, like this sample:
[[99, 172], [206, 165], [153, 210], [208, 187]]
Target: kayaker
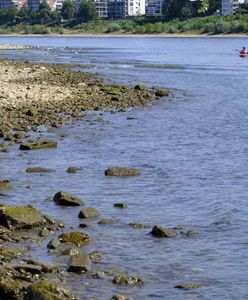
[[243, 51]]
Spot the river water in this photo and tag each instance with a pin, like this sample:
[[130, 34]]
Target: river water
[[192, 152]]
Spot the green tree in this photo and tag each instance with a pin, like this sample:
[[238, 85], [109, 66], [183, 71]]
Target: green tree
[[68, 10], [213, 6], [23, 14], [8, 15], [86, 12], [173, 9]]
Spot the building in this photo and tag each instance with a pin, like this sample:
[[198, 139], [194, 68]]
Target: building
[[6, 4], [136, 8], [34, 4], [228, 7], [101, 8], [154, 7], [117, 9]]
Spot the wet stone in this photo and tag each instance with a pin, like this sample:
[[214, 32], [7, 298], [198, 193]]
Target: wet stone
[[64, 198], [107, 221], [120, 171], [84, 225], [89, 212], [120, 205], [124, 280], [139, 225], [5, 185], [95, 256], [38, 170], [40, 144], [80, 263], [187, 286], [163, 232], [75, 237], [53, 244], [72, 170]]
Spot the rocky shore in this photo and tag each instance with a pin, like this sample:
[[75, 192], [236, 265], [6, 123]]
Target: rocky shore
[[33, 95]]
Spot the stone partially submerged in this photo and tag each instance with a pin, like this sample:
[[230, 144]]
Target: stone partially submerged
[[64, 198], [75, 237], [5, 185], [80, 263], [40, 144], [120, 171], [89, 212], [125, 280], [21, 217], [163, 232], [48, 290]]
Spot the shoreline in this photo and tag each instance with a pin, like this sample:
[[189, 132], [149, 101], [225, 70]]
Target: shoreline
[[90, 35]]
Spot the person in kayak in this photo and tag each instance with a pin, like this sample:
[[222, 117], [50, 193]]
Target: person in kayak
[[243, 51]]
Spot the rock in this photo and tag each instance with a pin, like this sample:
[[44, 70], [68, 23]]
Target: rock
[[28, 268], [80, 263], [5, 185], [72, 170], [53, 244], [70, 251], [161, 92], [38, 170], [138, 225], [119, 171], [89, 212], [63, 198], [20, 217], [84, 225], [95, 256], [45, 232], [119, 297], [40, 144], [163, 232], [120, 205], [140, 87], [190, 233], [107, 221], [124, 280], [76, 237], [187, 286], [48, 290], [10, 289]]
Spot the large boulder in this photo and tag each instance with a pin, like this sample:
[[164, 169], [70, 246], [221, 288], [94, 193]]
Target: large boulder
[[163, 232], [75, 237], [63, 198], [89, 212], [120, 171], [80, 263], [20, 217], [48, 290]]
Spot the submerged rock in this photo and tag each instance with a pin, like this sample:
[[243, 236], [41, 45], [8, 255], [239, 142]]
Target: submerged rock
[[120, 205], [72, 170], [187, 286], [139, 225], [75, 237], [80, 263], [20, 217], [5, 185], [48, 290], [107, 221], [53, 244], [40, 144], [89, 212], [124, 280], [163, 232], [38, 170], [120, 171], [63, 198]]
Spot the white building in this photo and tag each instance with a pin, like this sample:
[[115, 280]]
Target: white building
[[136, 8], [228, 7]]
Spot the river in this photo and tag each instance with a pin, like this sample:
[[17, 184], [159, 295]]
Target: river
[[192, 152]]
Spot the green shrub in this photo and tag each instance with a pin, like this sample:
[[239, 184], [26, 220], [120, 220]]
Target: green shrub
[[221, 27], [172, 29], [113, 27], [140, 29]]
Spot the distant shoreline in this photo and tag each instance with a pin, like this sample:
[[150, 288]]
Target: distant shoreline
[[90, 35]]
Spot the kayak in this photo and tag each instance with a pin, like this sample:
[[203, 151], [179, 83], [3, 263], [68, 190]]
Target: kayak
[[243, 54]]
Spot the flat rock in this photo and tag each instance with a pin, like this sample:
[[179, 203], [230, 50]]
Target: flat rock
[[125, 280], [48, 290], [20, 217], [163, 232], [120, 205], [89, 212], [40, 144], [187, 286], [107, 221], [5, 185], [80, 263], [120, 171], [64, 198], [75, 237], [38, 170]]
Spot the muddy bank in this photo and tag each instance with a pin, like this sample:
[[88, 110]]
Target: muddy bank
[[34, 94]]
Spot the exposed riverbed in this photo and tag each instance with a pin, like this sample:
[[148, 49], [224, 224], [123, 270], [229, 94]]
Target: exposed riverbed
[[191, 151]]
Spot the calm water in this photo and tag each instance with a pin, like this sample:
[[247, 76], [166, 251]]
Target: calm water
[[192, 151]]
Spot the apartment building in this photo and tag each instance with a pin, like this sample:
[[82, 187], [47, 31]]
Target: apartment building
[[154, 7], [228, 7]]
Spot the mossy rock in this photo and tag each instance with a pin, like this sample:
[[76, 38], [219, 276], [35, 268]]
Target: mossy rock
[[76, 237], [47, 290], [40, 144], [124, 280], [163, 232], [64, 198], [20, 217], [38, 170], [5, 185], [120, 171]]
